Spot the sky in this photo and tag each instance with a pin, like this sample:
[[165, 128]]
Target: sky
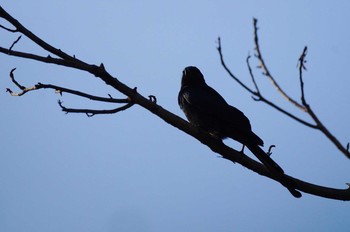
[[132, 171]]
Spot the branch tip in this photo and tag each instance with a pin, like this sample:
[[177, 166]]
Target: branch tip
[[102, 66], [12, 76], [16, 41], [8, 29], [219, 44], [255, 98], [152, 98], [269, 152]]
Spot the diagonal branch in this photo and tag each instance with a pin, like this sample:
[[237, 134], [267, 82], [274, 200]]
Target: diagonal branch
[[20, 28], [8, 29], [219, 48], [14, 43]]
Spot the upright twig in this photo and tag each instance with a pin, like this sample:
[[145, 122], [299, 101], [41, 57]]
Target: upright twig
[[266, 71], [319, 125]]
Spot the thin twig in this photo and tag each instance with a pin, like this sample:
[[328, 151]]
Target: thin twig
[[301, 68], [252, 75], [16, 41], [257, 96], [90, 112], [8, 29], [12, 76], [266, 70], [61, 90], [152, 98], [219, 48], [319, 125], [33, 37]]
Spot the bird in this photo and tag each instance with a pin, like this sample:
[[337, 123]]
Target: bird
[[205, 108]]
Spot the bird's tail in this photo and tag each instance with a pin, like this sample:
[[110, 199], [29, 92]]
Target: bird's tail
[[274, 168]]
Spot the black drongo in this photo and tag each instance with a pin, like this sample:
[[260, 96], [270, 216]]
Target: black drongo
[[208, 110]]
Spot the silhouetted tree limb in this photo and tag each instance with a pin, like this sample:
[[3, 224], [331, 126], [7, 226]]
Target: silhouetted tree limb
[[150, 104], [303, 106]]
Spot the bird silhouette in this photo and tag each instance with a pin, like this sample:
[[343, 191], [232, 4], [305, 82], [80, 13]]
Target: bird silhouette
[[207, 109]]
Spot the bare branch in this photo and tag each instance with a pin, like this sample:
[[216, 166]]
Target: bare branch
[[61, 90], [257, 96], [33, 37], [147, 103], [305, 106], [252, 76], [90, 112], [12, 76], [16, 41], [301, 68], [269, 152], [266, 70], [229, 71], [319, 125], [8, 29], [153, 98]]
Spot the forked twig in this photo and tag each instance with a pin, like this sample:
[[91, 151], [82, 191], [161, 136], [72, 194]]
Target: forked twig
[[304, 106]]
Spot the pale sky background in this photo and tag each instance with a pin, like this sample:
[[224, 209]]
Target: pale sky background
[[134, 172]]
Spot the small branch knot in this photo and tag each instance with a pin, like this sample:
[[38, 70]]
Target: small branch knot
[[269, 152], [152, 98]]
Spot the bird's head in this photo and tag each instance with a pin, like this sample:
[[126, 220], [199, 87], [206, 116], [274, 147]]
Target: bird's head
[[192, 76]]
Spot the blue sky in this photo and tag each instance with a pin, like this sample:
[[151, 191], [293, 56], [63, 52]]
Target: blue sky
[[134, 172]]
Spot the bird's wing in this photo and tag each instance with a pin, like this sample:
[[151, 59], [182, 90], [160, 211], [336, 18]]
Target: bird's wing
[[204, 99], [211, 102]]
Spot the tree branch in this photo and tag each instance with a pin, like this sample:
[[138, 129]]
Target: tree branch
[[266, 70], [219, 48], [8, 29], [90, 112], [304, 106], [319, 125], [150, 104], [257, 96]]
